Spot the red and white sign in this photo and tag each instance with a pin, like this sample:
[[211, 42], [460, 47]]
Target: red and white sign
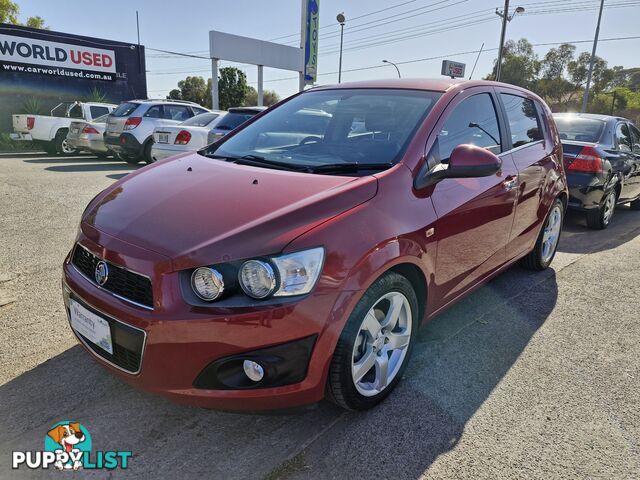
[[452, 69], [55, 54]]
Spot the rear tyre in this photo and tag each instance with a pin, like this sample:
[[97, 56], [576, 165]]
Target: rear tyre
[[599, 218], [147, 152], [547, 243], [102, 155], [63, 146], [375, 345], [635, 205]]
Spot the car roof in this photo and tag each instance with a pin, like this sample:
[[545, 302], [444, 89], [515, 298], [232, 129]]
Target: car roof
[[594, 116], [162, 100], [430, 84]]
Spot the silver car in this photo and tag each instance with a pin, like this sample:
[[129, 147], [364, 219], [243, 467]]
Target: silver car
[[234, 118], [88, 136]]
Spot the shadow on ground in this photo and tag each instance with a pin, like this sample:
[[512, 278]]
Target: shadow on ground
[[578, 238]]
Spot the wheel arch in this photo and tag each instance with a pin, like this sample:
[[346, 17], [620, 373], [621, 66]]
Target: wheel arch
[[418, 281]]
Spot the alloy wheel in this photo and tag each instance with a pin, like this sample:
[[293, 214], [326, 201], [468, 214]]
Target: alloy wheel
[[66, 147], [609, 207], [551, 233], [382, 344]]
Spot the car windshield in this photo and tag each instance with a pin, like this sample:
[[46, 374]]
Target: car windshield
[[201, 120], [232, 119], [319, 130], [579, 129]]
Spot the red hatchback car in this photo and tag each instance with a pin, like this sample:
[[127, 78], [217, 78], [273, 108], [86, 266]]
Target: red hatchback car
[[296, 257]]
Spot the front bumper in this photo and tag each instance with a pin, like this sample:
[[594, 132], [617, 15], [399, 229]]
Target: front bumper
[[182, 341]]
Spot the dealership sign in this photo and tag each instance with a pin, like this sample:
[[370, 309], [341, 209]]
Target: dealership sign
[[452, 69], [29, 55], [311, 41]]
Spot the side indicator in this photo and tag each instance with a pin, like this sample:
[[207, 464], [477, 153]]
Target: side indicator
[[430, 232]]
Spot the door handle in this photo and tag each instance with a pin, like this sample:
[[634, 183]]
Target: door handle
[[510, 182]]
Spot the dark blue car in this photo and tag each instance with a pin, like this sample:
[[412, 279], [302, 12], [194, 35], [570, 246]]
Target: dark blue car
[[602, 161]]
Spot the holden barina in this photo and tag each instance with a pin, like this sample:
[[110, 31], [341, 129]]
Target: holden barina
[[296, 258]]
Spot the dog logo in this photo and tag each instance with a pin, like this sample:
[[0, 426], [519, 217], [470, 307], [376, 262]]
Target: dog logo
[[101, 273], [72, 439]]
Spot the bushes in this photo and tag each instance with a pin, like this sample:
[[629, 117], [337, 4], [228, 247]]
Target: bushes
[[8, 145]]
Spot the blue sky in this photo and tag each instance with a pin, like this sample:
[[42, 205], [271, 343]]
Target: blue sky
[[396, 34]]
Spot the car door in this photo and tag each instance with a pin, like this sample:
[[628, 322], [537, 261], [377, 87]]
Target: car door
[[474, 214], [532, 150], [634, 159], [627, 163]]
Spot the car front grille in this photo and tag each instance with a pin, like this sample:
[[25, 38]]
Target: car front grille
[[125, 284]]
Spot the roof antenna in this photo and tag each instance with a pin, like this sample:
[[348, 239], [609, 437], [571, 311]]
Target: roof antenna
[[477, 58]]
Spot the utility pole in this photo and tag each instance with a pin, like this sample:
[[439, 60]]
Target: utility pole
[[341, 19], [585, 97], [505, 19]]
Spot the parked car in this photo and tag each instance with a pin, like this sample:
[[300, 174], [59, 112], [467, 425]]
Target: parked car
[[602, 161], [88, 137], [235, 117], [187, 136], [130, 127], [51, 130], [245, 277]]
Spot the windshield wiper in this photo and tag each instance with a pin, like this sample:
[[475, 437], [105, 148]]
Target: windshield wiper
[[348, 167], [258, 161]]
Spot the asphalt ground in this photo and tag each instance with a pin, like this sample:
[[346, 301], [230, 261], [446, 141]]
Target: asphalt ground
[[535, 375]]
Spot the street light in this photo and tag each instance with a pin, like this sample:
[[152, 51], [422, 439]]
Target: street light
[[391, 63], [505, 18], [341, 19]]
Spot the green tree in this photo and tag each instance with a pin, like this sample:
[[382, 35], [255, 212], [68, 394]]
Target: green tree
[[9, 14], [232, 87], [192, 89], [269, 97], [520, 64]]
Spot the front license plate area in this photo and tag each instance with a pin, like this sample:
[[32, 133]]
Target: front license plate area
[[91, 326]]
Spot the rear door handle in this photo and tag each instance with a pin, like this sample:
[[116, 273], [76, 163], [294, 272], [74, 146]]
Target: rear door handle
[[510, 182]]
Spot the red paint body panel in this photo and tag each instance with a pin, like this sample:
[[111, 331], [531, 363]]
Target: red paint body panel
[[164, 219]]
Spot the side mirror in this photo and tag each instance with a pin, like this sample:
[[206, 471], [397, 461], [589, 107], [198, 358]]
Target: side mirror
[[472, 161], [466, 161]]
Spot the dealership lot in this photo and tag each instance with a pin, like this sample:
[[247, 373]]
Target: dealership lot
[[532, 376]]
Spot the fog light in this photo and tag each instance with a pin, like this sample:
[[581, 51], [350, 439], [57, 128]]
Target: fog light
[[253, 370]]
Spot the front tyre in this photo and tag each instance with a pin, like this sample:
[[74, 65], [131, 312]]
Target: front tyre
[[126, 158], [599, 218], [547, 243], [375, 345]]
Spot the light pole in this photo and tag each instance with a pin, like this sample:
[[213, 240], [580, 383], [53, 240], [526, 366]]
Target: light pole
[[397, 69], [505, 18], [341, 19], [585, 97]]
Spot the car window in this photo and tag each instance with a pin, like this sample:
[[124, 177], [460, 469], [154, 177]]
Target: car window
[[201, 120], [198, 110], [125, 109], [154, 112], [635, 133], [623, 137], [580, 129], [523, 119], [177, 112], [102, 119], [98, 111], [474, 121]]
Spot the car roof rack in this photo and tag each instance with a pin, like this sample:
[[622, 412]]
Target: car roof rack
[[169, 100]]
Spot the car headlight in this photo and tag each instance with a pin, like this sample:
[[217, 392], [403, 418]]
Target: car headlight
[[260, 278], [207, 283]]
